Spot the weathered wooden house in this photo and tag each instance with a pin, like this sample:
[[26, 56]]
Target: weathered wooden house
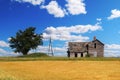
[[94, 48]]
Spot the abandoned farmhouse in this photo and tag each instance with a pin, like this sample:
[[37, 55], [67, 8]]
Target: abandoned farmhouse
[[94, 48]]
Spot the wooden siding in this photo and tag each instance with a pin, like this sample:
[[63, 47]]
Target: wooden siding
[[94, 48]]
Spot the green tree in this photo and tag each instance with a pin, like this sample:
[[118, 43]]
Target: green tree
[[25, 40]]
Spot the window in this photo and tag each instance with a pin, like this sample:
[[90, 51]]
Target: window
[[87, 46], [95, 45], [81, 54]]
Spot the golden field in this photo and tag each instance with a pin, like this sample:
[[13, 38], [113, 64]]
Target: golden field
[[60, 70]]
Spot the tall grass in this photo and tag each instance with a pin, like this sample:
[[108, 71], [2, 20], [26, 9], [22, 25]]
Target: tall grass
[[61, 70], [44, 57], [5, 76], [55, 59]]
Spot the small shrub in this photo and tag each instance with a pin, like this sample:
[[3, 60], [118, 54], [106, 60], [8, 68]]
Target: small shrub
[[87, 55], [35, 55]]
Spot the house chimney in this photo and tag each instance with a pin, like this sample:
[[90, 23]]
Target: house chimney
[[94, 38]]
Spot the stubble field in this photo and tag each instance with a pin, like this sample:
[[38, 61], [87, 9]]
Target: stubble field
[[60, 70]]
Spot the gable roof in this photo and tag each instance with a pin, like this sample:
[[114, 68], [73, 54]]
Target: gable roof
[[82, 46], [98, 41]]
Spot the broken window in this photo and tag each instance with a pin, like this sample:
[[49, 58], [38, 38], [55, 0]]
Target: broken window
[[95, 45]]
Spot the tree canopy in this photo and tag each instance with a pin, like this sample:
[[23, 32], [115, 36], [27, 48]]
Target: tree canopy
[[25, 40]]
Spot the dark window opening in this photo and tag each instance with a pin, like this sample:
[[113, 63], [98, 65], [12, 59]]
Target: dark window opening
[[95, 45], [76, 55], [81, 54], [87, 47], [68, 53]]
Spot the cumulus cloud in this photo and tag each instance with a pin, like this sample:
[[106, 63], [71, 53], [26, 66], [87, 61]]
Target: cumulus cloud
[[54, 9], [5, 49], [72, 33], [33, 2], [98, 19], [115, 14], [112, 50], [4, 52], [58, 51], [66, 34], [76, 7], [3, 44], [73, 7], [45, 49], [113, 46]]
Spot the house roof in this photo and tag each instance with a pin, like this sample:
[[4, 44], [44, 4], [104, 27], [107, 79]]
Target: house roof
[[81, 46], [78, 46], [98, 41]]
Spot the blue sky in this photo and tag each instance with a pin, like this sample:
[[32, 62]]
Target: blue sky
[[64, 21]]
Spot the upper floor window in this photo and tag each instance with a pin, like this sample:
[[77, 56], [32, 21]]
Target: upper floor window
[[87, 46], [95, 45]]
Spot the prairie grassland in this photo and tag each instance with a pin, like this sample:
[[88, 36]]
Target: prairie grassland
[[60, 70], [35, 58]]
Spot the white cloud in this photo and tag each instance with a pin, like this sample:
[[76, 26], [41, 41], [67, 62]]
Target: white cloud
[[65, 33], [98, 19], [45, 49], [73, 7], [9, 39], [76, 7], [58, 51], [33, 2], [72, 33], [112, 50], [115, 14], [54, 9], [112, 53], [3, 44], [113, 46], [3, 51]]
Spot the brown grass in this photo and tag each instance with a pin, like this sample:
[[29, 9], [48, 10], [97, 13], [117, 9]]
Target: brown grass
[[61, 70]]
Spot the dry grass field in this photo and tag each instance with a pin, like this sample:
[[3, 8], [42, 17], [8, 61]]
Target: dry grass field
[[60, 70]]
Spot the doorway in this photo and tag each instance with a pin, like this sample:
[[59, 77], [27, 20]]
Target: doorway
[[76, 55], [81, 54]]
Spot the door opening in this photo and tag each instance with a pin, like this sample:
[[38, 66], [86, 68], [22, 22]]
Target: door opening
[[76, 55], [81, 54]]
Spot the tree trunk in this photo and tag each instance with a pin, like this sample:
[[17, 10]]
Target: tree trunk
[[25, 52]]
